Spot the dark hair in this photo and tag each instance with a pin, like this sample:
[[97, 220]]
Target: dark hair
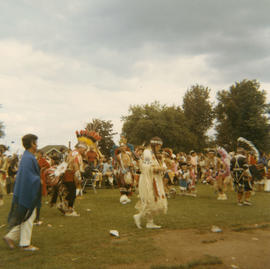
[[28, 139], [56, 159], [3, 148]]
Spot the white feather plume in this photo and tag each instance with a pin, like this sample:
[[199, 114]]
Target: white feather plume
[[251, 145], [224, 154], [225, 157], [60, 169]]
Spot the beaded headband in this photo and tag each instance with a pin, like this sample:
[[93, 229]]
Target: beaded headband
[[156, 142]]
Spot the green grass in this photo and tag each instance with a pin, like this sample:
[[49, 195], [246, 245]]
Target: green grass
[[85, 242]]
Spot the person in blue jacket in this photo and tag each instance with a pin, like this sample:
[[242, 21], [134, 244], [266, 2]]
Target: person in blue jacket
[[26, 197]]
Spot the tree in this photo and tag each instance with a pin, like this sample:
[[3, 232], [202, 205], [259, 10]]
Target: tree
[[199, 112], [2, 133], [242, 111], [169, 123], [105, 130]]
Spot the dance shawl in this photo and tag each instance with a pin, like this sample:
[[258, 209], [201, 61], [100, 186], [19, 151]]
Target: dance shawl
[[27, 190]]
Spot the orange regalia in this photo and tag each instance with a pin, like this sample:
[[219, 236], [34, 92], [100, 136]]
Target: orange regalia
[[93, 156]]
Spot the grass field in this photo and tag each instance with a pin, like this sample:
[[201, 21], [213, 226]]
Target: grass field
[[85, 242]]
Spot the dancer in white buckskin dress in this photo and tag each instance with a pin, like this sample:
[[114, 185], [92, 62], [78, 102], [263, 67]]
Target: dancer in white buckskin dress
[[151, 189]]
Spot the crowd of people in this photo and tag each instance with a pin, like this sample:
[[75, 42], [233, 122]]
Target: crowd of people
[[155, 173]]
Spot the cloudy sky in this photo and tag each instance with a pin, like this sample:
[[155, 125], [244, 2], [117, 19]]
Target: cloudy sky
[[66, 62]]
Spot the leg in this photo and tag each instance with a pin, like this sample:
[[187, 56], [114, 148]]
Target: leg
[[220, 183], [37, 220], [165, 182], [137, 220], [94, 183], [71, 200], [71, 194], [110, 179], [12, 179], [123, 189], [2, 191], [12, 235], [240, 197], [247, 192], [26, 231], [8, 185], [99, 175], [150, 223], [95, 180], [62, 193], [54, 195], [247, 195]]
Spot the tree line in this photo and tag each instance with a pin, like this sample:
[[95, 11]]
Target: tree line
[[241, 110]]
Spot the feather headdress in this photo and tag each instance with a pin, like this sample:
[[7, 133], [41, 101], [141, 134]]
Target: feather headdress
[[250, 145], [88, 137], [123, 142], [225, 158], [223, 153]]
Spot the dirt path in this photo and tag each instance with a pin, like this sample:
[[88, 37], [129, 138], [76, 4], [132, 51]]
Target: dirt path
[[248, 249]]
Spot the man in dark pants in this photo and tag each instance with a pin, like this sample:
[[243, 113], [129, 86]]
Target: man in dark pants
[[241, 177], [72, 178]]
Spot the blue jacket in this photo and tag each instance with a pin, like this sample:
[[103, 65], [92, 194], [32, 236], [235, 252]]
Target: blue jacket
[[27, 190]]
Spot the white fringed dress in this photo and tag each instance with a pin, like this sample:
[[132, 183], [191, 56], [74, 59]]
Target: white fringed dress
[[151, 189]]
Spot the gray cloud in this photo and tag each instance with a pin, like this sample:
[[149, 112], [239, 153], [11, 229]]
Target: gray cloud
[[113, 34]]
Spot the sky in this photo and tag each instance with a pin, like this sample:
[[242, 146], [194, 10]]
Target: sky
[[66, 62]]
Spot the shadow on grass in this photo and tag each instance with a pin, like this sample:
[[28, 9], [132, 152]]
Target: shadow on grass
[[206, 260], [249, 228]]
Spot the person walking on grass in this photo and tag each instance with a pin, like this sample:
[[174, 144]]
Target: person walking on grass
[[73, 179], [241, 177], [43, 165], [151, 189], [12, 171], [26, 198]]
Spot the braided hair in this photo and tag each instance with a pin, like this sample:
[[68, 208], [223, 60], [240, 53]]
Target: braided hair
[[153, 142]]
